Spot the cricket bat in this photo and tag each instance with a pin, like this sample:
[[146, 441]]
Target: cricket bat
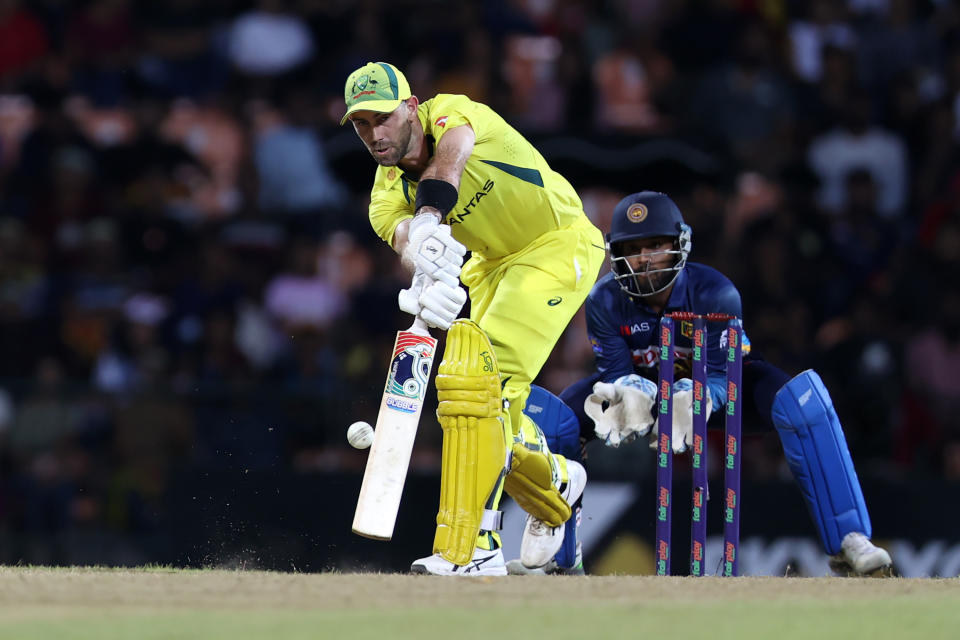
[[395, 431]]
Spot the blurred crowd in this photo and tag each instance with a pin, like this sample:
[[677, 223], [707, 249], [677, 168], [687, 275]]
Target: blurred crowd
[[188, 279]]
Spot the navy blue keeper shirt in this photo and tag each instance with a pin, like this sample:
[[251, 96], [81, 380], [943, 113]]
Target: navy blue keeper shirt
[[624, 332]]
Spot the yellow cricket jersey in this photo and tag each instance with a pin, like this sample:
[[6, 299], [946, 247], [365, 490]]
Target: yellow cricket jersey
[[509, 196]]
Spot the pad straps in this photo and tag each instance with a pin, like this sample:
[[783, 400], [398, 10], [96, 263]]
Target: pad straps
[[491, 520]]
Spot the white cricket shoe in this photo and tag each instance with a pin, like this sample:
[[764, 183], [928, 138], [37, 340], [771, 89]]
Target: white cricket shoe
[[860, 557], [484, 563], [516, 568], [541, 542]]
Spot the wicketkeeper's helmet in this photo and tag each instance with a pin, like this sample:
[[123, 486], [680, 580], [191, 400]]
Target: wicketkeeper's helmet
[[647, 214]]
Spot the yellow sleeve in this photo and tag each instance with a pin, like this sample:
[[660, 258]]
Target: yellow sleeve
[[448, 111], [390, 204]]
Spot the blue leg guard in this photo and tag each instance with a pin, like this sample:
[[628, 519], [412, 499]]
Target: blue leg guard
[[562, 429], [816, 450]]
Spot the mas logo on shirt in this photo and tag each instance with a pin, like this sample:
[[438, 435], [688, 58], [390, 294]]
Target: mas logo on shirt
[[441, 121], [629, 330], [686, 328]]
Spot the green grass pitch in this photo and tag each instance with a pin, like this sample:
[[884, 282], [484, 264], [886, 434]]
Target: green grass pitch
[[104, 604]]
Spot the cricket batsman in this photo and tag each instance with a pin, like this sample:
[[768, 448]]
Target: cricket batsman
[[649, 244], [454, 177]]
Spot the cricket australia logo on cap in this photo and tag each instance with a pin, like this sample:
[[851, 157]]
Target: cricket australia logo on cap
[[637, 212], [360, 87]]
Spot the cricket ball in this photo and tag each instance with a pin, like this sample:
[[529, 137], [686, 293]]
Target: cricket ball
[[360, 435]]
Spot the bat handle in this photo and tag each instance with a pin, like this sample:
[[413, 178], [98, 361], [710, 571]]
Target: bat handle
[[420, 327]]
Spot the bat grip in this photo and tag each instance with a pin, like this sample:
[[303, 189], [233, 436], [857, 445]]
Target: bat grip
[[420, 327]]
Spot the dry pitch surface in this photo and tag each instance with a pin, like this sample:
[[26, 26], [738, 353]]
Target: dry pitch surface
[[237, 605]]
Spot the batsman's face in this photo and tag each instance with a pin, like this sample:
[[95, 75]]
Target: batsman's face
[[386, 135]]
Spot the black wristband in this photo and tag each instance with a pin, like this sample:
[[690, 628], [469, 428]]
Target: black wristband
[[438, 194]]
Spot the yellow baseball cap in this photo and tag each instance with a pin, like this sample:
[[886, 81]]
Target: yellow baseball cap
[[376, 86]]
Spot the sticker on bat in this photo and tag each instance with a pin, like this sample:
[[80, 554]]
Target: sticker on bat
[[410, 368]]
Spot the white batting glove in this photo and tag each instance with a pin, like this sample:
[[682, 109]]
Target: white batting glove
[[628, 414], [409, 299], [441, 304], [681, 438], [434, 250]]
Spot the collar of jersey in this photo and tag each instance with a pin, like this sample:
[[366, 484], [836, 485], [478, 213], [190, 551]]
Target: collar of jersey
[[679, 293], [422, 114], [385, 173]]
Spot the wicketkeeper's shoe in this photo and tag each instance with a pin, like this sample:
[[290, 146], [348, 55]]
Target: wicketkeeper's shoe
[[484, 563], [516, 568], [541, 542], [860, 557]]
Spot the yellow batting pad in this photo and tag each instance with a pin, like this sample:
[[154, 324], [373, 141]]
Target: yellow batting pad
[[530, 483], [468, 379], [474, 446]]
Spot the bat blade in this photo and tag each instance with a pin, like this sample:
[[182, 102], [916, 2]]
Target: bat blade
[[395, 431]]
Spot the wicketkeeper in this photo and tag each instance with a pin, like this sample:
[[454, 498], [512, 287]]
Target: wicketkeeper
[[455, 177], [649, 244]]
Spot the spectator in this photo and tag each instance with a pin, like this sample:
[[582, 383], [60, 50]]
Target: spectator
[[536, 102], [302, 297], [701, 35], [178, 57], [822, 26], [747, 103], [862, 239], [269, 40], [293, 173], [897, 42], [23, 40], [45, 416], [861, 350], [16, 121], [933, 379], [22, 276], [213, 136], [827, 100], [100, 44], [628, 80], [136, 360], [859, 143]]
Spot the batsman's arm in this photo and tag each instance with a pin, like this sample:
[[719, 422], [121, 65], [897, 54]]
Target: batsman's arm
[[401, 240], [453, 151]]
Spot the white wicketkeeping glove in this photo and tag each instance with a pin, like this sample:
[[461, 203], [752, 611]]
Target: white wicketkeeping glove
[[441, 304], [433, 250], [682, 435], [628, 414]]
